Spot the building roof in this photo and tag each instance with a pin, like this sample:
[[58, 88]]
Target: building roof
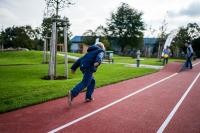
[[77, 39], [147, 41], [150, 41]]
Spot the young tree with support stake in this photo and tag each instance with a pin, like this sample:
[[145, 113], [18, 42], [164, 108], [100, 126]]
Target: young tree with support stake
[[162, 37], [54, 6], [1, 40]]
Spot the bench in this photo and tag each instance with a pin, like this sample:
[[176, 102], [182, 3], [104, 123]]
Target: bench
[[108, 57]]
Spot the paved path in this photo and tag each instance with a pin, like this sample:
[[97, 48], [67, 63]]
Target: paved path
[[145, 66], [69, 56], [127, 64], [164, 101]]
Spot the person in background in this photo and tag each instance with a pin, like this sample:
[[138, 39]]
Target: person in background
[[166, 54], [88, 65], [189, 54]]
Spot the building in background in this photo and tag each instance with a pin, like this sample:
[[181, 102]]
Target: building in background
[[149, 46], [78, 45]]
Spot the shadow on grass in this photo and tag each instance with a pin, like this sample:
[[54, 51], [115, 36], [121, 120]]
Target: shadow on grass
[[55, 78]]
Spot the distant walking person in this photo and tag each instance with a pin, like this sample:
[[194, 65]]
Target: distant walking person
[[189, 54], [88, 65], [166, 54]]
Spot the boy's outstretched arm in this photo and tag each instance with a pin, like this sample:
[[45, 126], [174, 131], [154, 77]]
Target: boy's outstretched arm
[[75, 65]]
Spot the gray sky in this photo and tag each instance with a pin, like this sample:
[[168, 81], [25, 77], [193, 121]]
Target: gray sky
[[88, 14]]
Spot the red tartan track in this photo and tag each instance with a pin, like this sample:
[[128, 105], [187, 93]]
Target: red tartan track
[[139, 105]]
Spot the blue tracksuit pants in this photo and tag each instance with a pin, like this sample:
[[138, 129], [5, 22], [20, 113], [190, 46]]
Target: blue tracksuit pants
[[87, 81], [189, 62]]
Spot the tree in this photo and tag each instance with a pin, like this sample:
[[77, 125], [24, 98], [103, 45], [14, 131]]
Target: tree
[[55, 6], [193, 30], [103, 36], [196, 46], [2, 40], [8, 37], [101, 31], [47, 27], [89, 37], [194, 33], [186, 34], [126, 25], [23, 36]]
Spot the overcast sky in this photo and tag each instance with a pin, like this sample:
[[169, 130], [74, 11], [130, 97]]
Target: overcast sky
[[88, 14]]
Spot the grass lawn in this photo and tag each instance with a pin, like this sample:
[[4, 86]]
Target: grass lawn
[[75, 54], [21, 84]]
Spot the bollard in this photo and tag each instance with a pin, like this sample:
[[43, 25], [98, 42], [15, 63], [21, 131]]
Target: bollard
[[138, 58], [138, 63]]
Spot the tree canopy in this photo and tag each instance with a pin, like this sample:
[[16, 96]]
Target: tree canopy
[[187, 34], [126, 25], [47, 27], [89, 37], [190, 33], [22, 36]]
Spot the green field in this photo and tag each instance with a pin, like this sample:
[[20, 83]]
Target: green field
[[21, 82]]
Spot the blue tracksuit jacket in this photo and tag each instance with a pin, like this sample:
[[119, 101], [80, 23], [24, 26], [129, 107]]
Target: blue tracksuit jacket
[[94, 54]]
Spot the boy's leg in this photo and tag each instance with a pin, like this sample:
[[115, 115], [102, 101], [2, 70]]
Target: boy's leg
[[90, 89], [190, 62], [183, 66], [187, 62], [87, 78], [163, 61], [166, 60]]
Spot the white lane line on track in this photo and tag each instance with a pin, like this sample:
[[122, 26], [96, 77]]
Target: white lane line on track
[[109, 105], [169, 117], [196, 63]]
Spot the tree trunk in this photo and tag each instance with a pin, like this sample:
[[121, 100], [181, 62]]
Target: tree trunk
[[122, 49], [65, 50], [158, 51], [1, 47], [52, 63], [45, 51]]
